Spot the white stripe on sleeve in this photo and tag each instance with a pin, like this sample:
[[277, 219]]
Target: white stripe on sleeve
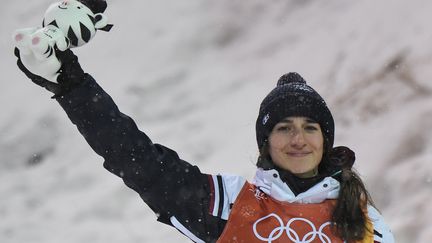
[[185, 231], [216, 196]]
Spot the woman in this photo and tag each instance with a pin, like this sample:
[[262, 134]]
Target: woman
[[304, 189]]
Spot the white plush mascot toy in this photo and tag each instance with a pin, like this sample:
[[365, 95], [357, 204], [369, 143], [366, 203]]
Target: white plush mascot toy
[[66, 24]]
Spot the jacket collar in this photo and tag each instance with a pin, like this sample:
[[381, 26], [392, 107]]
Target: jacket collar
[[270, 183]]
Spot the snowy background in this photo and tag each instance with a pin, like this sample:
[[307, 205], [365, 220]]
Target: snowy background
[[192, 74]]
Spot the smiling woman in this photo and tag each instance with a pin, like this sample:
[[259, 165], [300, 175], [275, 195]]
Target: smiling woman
[[295, 135], [304, 189]]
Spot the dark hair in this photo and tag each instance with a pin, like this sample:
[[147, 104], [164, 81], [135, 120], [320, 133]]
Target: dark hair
[[349, 217]]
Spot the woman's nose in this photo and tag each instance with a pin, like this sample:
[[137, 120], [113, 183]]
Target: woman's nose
[[297, 138]]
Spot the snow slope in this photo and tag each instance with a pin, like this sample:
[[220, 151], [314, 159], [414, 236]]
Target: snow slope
[[192, 75]]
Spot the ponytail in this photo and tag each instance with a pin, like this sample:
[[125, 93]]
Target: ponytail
[[350, 216]]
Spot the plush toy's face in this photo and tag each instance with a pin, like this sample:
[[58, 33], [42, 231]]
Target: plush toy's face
[[75, 19]]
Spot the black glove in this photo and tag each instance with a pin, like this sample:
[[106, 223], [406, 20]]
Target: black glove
[[70, 73]]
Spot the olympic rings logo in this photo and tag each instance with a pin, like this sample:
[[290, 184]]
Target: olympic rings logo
[[291, 233]]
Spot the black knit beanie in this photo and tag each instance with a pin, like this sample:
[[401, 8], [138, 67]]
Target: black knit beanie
[[293, 97]]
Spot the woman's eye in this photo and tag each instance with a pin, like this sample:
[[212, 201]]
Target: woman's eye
[[311, 128], [283, 128]]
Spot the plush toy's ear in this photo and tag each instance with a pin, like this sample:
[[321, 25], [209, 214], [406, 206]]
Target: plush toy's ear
[[22, 39], [101, 22]]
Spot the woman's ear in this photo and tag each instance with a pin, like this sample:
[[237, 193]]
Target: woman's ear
[[101, 22]]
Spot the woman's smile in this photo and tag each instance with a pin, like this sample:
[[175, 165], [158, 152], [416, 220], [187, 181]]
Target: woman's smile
[[298, 154]]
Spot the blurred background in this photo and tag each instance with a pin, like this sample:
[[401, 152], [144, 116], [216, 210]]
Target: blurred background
[[192, 74]]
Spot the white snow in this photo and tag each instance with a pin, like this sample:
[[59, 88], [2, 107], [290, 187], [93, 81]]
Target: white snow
[[192, 74]]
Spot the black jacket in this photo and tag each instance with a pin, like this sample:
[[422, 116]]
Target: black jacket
[[170, 186]]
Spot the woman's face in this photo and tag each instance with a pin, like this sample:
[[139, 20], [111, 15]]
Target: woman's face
[[296, 144]]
